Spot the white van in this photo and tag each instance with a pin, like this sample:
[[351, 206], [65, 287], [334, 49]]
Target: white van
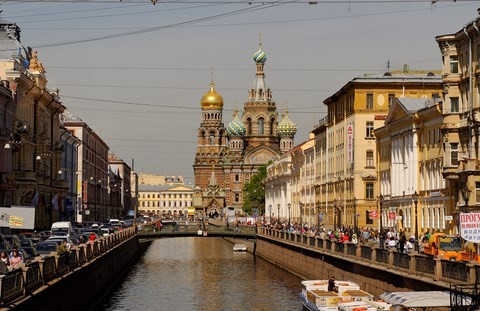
[[62, 228]]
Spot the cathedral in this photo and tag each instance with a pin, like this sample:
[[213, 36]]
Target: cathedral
[[226, 158]]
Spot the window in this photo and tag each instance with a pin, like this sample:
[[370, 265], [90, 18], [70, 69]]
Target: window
[[454, 104], [249, 126], [391, 100], [477, 193], [212, 139], [369, 101], [369, 132], [369, 221], [454, 154], [237, 197], [369, 158], [237, 177], [369, 190], [453, 64], [261, 126]]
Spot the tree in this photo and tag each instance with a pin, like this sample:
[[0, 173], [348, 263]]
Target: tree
[[255, 192]]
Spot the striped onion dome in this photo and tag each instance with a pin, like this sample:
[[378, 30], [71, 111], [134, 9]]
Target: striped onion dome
[[260, 56], [286, 127], [236, 127]]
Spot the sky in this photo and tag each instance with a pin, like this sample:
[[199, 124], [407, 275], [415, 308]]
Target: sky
[[135, 72]]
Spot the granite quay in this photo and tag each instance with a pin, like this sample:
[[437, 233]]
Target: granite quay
[[378, 270], [88, 270]]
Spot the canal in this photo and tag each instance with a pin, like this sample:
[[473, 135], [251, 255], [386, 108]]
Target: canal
[[195, 273]]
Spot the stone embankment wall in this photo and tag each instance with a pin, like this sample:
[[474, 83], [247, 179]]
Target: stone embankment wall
[[80, 288], [313, 264]]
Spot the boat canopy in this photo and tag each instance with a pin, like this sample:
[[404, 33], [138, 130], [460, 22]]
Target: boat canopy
[[422, 299]]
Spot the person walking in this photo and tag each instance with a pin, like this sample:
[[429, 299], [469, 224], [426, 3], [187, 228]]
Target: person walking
[[15, 260]]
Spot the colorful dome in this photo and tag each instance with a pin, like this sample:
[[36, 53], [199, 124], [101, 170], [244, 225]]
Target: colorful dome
[[212, 99], [286, 127], [236, 127], [260, 56]]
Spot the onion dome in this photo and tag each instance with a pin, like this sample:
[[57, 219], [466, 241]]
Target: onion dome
[[212, 99], [286, 127], [236, 127], [260, 56]]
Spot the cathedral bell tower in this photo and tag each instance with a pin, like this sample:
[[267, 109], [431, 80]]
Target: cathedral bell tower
[[212, 141]]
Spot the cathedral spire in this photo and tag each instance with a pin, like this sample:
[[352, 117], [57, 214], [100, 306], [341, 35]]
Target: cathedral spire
[[260, 91]]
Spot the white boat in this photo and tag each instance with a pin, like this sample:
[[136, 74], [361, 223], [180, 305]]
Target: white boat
[[239, 248], [422, 300], [347, 297]]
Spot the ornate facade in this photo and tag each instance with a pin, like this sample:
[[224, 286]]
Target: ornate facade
[[226, 158]]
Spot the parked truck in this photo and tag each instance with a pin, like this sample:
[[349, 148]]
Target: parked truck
[[445, 246]]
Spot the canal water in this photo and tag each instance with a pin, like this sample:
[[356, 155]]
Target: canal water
[[195, 273]]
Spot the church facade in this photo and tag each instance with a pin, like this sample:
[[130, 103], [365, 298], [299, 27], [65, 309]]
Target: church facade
[[227, 157]]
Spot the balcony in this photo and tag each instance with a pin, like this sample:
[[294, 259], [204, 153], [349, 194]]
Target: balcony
[[470, 166], [25, 176]]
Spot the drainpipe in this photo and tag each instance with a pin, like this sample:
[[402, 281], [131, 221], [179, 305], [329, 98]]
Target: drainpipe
[[470, 93]]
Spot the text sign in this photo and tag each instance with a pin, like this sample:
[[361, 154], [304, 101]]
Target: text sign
[[373, 214], [350, 143], [470, 227], [392, 215]]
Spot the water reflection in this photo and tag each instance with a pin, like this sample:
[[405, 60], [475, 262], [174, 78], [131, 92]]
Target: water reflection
[[198, 273]]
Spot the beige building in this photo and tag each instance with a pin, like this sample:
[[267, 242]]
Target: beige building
[[152, 179], [410, 161], [346, 177], [278, 192], [461, 69], [168, 201]]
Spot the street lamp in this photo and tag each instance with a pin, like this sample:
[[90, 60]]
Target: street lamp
[[466, 195], [355, 214], [270, 210], [278, 210], [381, 200], [334, 215], [318, 216], [415, 200], [289, 214]]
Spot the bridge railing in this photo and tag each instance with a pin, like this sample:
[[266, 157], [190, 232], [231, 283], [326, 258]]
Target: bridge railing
[[413, 263], [28, 278]]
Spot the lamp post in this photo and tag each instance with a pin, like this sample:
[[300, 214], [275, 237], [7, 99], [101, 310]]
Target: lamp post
[[335, 215], [278, 211], [355, 214], [466, 196], [289, 214], [381, 200], [415, 201], [318, 216], [270, 210]]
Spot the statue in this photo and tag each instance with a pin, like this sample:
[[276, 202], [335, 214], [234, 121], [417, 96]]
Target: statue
[[35, 64]]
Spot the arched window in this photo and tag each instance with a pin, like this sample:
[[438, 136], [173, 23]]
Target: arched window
[[261, 126], [272, 122], [249, 126], [212, 138]]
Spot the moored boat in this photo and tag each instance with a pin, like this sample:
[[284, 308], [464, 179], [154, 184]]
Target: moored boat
[[239, 248], [347, 297]]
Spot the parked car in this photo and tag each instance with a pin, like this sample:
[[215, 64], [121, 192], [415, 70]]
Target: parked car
[[45, 248], [27, 243], [13, 240], [31, 252]]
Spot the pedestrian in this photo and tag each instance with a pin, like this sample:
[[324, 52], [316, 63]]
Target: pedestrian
[[92, 237], [16, 260], [62, 248], [4, 258], [331, 284]]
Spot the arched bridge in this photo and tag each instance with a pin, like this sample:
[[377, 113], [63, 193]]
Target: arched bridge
[[196, 229]]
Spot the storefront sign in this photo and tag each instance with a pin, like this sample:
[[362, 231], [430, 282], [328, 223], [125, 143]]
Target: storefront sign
[[350, 143], [470, 227]]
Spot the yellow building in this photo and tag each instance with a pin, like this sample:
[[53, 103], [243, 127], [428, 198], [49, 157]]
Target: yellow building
[[346, 177], [167, 201], [461, 61], [409, 167]]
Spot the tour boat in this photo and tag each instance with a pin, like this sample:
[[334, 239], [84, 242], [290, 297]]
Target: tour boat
[[347, 297]]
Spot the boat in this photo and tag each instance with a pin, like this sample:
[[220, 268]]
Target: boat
[[239, 248], [422, 300], [347, 297]]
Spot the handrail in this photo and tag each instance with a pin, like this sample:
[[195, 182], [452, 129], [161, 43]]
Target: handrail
[[413, 263], [23, 281]]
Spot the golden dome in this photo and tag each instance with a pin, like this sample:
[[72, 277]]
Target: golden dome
[[212, 99]]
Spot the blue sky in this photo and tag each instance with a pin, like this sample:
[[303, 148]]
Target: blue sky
[[135, 72]]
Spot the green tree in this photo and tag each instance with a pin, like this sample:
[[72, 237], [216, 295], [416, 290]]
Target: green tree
[[255, 192]]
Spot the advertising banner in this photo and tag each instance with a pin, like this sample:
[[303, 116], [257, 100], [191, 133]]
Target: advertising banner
[[350, 143], [470, 227], [372, 214]]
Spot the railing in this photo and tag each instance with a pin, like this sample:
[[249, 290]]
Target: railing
[[413, 264], [22, 281]]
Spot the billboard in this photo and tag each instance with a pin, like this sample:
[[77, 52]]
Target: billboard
[[470, 227], [17, 217]]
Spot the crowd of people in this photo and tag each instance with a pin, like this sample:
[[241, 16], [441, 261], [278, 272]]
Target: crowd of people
[[388, 237]]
